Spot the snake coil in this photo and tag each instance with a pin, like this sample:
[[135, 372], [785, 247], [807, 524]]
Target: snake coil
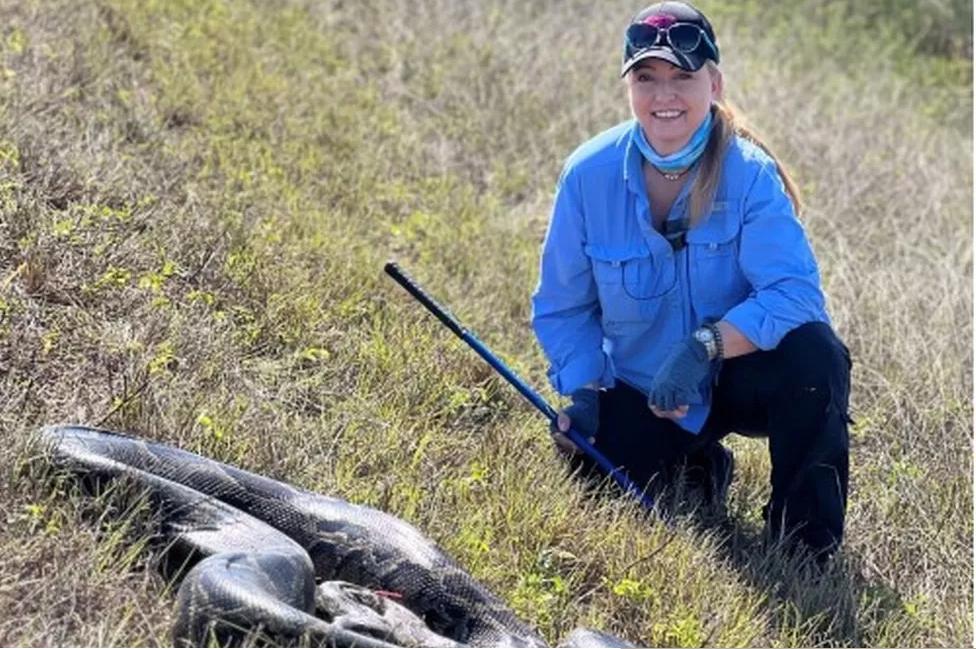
[[273, 562]]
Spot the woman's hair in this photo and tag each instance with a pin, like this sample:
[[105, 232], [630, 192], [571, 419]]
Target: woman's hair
[[728, 123]]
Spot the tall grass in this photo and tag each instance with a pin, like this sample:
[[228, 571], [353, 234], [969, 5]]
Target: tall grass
[[195, 203]]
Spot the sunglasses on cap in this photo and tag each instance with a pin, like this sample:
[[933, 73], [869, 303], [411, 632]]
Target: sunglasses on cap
[[681, 37]]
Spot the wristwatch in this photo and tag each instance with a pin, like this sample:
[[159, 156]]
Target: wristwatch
[[709, 336]]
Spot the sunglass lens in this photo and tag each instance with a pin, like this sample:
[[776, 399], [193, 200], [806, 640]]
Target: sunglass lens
[[684, 38], [641, 36]]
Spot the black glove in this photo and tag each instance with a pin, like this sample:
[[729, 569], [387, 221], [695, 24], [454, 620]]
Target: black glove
[[584, 414], [680, 375]]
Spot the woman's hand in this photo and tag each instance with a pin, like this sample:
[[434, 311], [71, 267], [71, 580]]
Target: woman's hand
[[583, 416], [675, 414], [676, 383]]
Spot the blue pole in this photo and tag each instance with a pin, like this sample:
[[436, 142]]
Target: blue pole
[[448, 320]]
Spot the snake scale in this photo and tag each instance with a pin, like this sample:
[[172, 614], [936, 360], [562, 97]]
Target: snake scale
[[265, 562]]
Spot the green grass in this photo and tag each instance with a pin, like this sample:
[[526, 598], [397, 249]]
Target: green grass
[[196, 200]]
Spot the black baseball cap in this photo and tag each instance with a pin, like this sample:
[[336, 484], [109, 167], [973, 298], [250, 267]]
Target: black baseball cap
[[687, 45]]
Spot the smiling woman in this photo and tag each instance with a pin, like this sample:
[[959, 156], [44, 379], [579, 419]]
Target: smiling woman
[[740, 340], [278, 153], [671, 103]]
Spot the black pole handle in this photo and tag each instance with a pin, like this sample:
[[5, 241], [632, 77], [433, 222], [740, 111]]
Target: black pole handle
[[432, 305], [516, 381]]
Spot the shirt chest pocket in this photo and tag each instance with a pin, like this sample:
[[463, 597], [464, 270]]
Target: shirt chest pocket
[[632, 280], [717, 282]]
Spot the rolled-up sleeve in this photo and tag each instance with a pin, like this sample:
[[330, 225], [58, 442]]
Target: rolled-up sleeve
[[778, 262], [565, 305]]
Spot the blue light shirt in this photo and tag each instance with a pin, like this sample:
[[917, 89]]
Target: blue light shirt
[[613, 296]]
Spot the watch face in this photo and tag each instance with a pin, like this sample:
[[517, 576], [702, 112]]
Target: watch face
[[704, 335], [707, 338]]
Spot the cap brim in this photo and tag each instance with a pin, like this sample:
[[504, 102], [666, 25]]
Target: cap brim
[[691, 61]]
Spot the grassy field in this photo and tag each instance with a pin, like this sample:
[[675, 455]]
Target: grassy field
[[196, 200]]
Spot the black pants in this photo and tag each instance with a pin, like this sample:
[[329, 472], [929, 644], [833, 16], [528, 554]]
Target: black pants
[[795, 395]]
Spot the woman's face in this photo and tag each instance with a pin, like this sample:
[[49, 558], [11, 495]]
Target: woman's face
[[670, 103]]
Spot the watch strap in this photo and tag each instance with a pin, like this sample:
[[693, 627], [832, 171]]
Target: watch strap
[[717, 336]]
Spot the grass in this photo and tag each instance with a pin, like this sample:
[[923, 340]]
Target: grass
[[196, 200]]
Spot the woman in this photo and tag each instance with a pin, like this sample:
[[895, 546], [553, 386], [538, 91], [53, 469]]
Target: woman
[[679, 299]]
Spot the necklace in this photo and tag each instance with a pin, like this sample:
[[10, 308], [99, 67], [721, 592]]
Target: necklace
[[669, 175]]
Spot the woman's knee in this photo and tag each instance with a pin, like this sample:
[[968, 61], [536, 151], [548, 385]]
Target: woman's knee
[[812, 357]]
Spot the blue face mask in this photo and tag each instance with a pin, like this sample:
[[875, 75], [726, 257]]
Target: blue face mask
[[682, 159]]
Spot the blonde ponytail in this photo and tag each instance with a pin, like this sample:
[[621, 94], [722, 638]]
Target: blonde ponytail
[[728, 124]]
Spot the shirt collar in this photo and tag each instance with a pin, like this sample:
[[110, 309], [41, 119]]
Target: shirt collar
[[632, 163]]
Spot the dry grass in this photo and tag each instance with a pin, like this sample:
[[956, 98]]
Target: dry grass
[[195, 203]]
